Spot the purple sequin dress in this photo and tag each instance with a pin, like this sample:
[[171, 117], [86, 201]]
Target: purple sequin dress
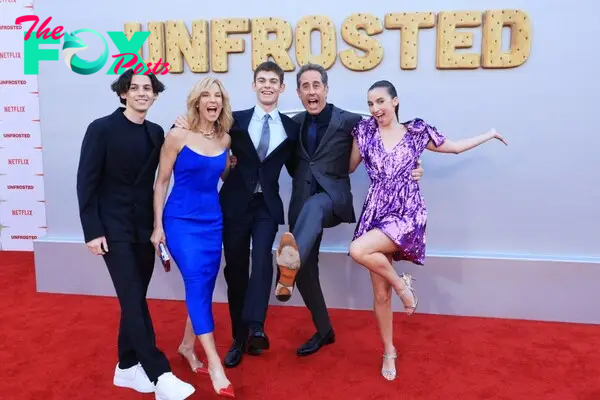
[[394, 203]]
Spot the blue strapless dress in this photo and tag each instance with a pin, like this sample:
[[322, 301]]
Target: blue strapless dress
[[193, 224]]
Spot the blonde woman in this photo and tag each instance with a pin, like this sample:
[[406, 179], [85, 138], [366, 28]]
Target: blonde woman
[[190, 223]]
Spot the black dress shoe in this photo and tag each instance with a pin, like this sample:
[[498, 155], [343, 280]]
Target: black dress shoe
[[315, 343], [234, 355], [257, 341]]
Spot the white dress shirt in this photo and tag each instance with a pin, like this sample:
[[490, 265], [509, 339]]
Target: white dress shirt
[[277, 132]]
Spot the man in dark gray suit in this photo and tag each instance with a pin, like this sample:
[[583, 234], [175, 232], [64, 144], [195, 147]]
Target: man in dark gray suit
[[321, 197]]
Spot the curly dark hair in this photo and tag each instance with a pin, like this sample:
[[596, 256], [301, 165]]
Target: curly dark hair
[[123, 82]]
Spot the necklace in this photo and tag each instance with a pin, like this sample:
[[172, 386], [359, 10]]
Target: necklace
[[208, 135]]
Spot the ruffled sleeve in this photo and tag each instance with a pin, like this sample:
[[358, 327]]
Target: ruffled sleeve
[[427, 133], [362, 133], [435, 136]]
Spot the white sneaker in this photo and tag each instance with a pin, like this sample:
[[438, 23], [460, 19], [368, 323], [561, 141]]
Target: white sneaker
[[134, 378], [169, 387]]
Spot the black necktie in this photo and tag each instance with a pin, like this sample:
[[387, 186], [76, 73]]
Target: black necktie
[[311, 137]]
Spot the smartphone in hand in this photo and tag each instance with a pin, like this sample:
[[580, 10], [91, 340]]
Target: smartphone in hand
[[164, 257]]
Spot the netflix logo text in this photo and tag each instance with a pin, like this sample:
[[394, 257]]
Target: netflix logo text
[[11, 55], [21, 213], [19, 161], [20, 220], [14, 109]]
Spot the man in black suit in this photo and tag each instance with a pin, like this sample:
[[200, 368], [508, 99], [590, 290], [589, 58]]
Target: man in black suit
[[262, 142], [115, 185], [321, 197]]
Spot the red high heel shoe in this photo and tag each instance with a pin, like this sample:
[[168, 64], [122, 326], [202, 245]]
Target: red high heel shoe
[[195, 364], [227, 392]]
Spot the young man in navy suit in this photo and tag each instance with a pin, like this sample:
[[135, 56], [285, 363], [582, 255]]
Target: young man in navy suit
[[262, 141]]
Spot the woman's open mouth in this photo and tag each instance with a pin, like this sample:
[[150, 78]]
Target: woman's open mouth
[[212, 111]]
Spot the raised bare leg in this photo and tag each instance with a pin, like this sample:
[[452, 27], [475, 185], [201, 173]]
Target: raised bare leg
[[370, 251]]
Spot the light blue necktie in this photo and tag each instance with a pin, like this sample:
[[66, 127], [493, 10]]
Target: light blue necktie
[[265, 138]]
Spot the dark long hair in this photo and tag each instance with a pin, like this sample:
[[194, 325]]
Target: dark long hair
[[391, 89]]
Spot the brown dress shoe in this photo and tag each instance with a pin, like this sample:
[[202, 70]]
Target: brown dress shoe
[[288, 260]]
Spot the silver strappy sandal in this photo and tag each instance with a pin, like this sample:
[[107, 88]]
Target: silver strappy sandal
[[389, 374], [407, 278]]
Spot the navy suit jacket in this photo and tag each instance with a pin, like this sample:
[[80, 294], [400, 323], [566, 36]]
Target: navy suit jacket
[[238, 189]]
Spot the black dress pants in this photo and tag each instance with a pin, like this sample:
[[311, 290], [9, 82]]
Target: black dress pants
[[316, 215], [248, 293], [131, 266]]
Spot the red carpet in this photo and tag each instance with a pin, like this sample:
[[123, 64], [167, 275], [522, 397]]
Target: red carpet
[[63, 347]]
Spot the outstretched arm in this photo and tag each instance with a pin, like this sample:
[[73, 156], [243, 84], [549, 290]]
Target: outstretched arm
[[460, 146]]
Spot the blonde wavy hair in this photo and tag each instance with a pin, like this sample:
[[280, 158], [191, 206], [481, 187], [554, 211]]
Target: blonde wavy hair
[[225, 120]]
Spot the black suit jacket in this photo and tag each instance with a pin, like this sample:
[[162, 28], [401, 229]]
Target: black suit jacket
[[238, 189], [113, 203], [329, 165]]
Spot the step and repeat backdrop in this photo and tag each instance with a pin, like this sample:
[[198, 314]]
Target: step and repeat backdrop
[[464, 66], [22, 204]]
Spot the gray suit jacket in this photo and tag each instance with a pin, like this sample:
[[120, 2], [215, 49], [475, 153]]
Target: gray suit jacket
[[329, 165]]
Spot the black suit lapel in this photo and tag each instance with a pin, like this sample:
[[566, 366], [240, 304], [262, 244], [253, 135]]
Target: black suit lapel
[[243, 122], [288, 125], [287, 128], [244, 118], [301, 135], [334, 124]]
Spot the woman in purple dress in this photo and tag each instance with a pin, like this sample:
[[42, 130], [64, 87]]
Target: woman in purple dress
[[392, 224]]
